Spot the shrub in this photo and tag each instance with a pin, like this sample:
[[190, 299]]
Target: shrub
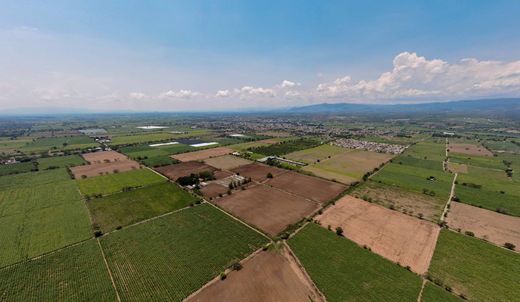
[[339, 231], [269, 175], [469, 233], [223, 276], [236, 266], [509, 245], [98, 234]]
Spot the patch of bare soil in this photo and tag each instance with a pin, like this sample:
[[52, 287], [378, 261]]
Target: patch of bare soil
[[469, 149], [97, 169], [103, 157], [258, 172], [457, 168], [183, 169], [227, 162], [203, 154]]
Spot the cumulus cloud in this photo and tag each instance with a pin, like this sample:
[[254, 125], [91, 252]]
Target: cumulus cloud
[[255, 91], [289, 84], [180, 94], [223, 93], [414, 77]]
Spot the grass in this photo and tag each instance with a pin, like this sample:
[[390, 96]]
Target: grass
[[142, 137], [343, 271], [17, 168], [415, 179], [477, 161], [475, 268], [113, 183], [286, 147], [427, 150], [8, 145], [169, 258], [503, 145], [419, 163], [76, 273], [321, 152], [155, 156], [130, 207], [38, 219], [60, 161], [434, 293], [59, 143], [34, 179]]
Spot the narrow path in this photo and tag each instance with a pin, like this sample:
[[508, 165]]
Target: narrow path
[[108, 269], [452, 193], [419, 298]]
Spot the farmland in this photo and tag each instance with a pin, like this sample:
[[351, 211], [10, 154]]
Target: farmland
[[126, 208], [34, 178], [160, 260], [286, 147], [59, 143], [344, 271], [226, 162], [155, 156], [183, 169], [113, 183], [203, 154], [472, 267], [51, 278], [60, 161], [319, 153], [258, 172], [38, 219], [17, 168], [141, 138], [434, 293]]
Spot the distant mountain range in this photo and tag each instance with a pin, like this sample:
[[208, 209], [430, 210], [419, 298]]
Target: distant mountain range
[[510, 106]]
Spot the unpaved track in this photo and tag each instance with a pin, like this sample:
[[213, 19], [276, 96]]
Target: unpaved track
[[452, 193]]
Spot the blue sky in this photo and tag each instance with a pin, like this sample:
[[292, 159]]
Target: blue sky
[[178, 55]]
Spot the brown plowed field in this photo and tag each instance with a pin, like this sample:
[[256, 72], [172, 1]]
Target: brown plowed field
[[203, 154], [221, 174], [269, 209], [492, 226], [213, 190], [258, 172], [469, 149], [307, 186], [267, 276], [103, 157], [393, 235], [183, 169], [227, 162], [104, 168]]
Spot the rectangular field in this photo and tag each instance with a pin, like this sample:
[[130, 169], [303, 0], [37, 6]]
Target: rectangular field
[[126, 208], [17, 168], [75, 273], [343, 271], [142, 137], [475, 268], [395, 236], [491, 226], [434, 293], [269, 209], [161, 260], [227, 162], [45, 163], [33, 178], [312, 155], [59, 143], [203, 154], [184, 169], [103, 157], [307, 186], [469, 149], [286, 147], [268, 276], [39, 219], [113, 183], [258, 172], [411, 203], [349, 166], [98, 169]]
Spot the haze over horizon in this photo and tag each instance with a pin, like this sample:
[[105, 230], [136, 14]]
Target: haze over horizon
[[195, 55]]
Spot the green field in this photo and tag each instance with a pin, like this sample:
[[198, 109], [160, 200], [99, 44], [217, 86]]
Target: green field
[[8, 145], [76, 273], [38, 219], [33, 179], [60, 161], [433, 293], [435, 151], [142, 137], [130, 207], [286, 147], [59, 143], [503, 145], [343, 271], [17, 168], [478, 161], [475, 268], [155, 156], [311, 155], [409, 160], [415, 179], [168, 258], [113, 183]]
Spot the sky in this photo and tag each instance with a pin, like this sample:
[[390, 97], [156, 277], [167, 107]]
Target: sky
[[192, 55]]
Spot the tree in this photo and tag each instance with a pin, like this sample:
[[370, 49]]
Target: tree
[[339, 231], [269, 175], [509, 245]]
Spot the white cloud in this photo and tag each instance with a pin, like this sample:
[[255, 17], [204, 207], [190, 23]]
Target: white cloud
[[223, 93], [289, 84], [416, 78], [137, 95], [247, 91], [181, 94]]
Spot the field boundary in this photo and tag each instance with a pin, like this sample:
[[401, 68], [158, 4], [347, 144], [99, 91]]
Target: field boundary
[[108, 270], [452, 193], [419, 298]]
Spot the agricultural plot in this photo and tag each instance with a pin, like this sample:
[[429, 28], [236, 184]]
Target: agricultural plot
[[286, 147], [126, 208], [411, 203], [17, 168], [306, 186], [490, 189], [312, 155], [104, 168], [469, 149], [476, 269], [45, 163], [161, 260], [103, 157], [426, 181], [76, 273], [478, 161], [254, 144], [226, 162], [213, 190], [175, 171], [59, 143], [395, 236], [343, 271], [142, 137], [8, 145], [409, 160], [435, 151], [270, 210], [34, 178], [491, 226], [113, 183], [268, 276], [155, 156], [457, 168], [259, 172], [434, 293], [510, 146], [39, 219], [349, 166], [203, 154]]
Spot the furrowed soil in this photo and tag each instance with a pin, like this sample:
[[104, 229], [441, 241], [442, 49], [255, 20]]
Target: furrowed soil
[[203, 154]]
